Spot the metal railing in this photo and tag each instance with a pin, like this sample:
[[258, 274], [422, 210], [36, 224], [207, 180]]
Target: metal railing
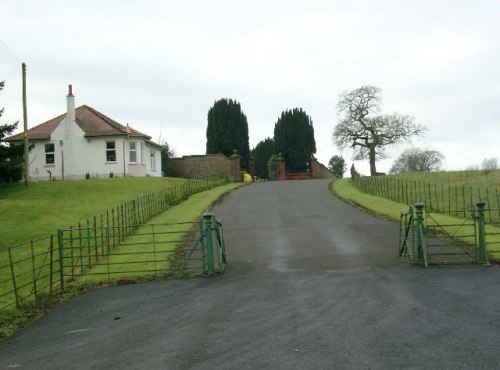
[[442, 198], [30, 271], [426, 239], [103, 254]]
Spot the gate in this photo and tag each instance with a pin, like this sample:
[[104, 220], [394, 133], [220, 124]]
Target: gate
[[106, 254], [273, 170], [433, 237]]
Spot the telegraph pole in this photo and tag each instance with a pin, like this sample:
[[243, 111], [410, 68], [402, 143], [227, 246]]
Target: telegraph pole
[[25, 119]]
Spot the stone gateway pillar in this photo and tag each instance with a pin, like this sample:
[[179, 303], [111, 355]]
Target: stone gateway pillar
[[314, 168], [281, 168], [236, 166]]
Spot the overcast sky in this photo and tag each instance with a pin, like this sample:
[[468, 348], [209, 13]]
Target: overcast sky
[[160, 66]]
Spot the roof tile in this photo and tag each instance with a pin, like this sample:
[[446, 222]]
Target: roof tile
[[92, 122]]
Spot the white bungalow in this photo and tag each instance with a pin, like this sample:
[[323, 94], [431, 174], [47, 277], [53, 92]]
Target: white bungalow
[[84, 141]]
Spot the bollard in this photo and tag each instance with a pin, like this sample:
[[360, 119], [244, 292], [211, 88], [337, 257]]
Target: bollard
[[209, 262], [483, 251]]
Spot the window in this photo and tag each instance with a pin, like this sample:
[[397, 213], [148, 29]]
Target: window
[[153, 160], [132, 152], [143, 159], [110, 151], [50, 153]]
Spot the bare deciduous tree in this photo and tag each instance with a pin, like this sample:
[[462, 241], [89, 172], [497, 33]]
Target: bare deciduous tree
[[367, 132], [489, 164], [418, 160]]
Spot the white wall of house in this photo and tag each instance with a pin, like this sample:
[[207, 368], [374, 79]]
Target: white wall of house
[[69, 155], [75, 158]]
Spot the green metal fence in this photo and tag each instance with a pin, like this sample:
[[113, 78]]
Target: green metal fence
[[426, 238], [100, 254], [440, 198], [31, 270], [104, 254], [28, 272]]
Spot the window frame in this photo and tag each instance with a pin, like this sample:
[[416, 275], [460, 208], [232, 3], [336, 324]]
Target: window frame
[[50, 154], [153, 159], [132, 151], [110, 152]]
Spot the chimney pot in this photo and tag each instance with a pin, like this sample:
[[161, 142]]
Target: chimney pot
[[70, 90]]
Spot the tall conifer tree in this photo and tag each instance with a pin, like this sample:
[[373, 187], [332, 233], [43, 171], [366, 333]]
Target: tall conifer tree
[[294, 139], [227, 130]]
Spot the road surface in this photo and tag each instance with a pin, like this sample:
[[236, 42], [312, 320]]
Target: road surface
[[311, 284]]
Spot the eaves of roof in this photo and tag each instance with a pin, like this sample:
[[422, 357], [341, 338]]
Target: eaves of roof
[[92, 122]]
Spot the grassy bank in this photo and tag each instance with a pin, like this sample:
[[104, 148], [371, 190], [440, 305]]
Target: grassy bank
[[471, 178], [375, 205], [42, 208], [444, 192]]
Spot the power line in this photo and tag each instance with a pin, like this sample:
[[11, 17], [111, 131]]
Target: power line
[[9, 54]]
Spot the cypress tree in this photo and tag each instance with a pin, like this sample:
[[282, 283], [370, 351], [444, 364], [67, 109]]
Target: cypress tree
[[294, 139], [227, 130]]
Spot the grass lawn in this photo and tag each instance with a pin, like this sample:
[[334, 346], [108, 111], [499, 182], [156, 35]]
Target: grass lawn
[[43, 207], [391, 210]]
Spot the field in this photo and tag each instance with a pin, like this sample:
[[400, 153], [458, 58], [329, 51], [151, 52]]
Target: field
[[40, 209], [476, 178]]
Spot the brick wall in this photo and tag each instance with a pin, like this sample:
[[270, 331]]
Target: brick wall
[[210, 166], [318, 171], [323, 172]]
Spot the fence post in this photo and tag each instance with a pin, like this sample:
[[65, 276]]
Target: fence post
[[61, 257], [11, 263], [33, 270], [483, 251], [51, 266], [421, 242], [208, 217]]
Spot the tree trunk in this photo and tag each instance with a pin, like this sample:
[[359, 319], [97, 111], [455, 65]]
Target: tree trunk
[[373, 168]]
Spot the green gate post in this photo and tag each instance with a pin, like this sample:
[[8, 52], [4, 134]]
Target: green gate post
[[483, 251], [209, 240], [421, 242]]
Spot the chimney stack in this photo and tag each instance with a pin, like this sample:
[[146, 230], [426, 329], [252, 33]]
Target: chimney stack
[[70, 105]]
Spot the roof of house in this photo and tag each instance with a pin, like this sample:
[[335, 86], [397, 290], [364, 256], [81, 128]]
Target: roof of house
[[92, 122]]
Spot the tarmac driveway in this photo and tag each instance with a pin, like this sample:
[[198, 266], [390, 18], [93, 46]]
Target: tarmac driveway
[[311, 284]]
